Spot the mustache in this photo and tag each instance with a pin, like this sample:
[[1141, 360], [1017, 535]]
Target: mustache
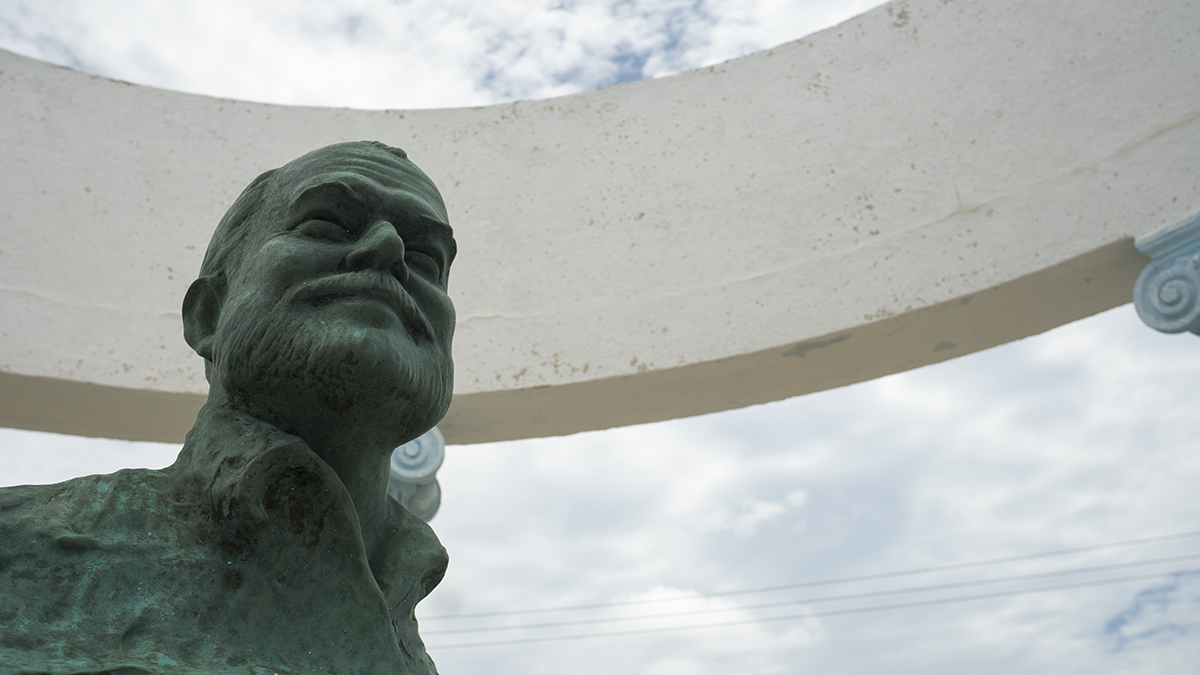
[[371, 284]]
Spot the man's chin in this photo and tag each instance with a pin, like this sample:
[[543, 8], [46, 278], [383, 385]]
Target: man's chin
[[366, 376], [406, 378]]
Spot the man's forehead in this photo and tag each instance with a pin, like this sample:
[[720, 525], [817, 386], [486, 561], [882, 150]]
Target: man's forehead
[[371, 174]]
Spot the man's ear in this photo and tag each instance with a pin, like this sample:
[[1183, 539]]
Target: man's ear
[[201, 311]]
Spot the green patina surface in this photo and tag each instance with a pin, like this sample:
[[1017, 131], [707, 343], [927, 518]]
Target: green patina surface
[[271, 545]]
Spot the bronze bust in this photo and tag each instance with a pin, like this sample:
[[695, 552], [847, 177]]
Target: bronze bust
[[271, 545]]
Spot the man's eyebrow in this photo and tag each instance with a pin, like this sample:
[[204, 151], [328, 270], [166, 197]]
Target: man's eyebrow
[[360, 200], [336, 189], [436, 225]]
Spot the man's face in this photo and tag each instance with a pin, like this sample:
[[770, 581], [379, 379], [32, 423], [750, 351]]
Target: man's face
[[340, 305]]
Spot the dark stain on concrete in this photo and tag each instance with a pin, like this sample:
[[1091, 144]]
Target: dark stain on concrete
[[805, 347]]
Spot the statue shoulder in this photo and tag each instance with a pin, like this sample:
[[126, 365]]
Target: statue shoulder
[[80, 563], [80, 506]]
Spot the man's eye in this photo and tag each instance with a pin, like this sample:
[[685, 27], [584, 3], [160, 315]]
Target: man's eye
[[323, 229], [424, 263]]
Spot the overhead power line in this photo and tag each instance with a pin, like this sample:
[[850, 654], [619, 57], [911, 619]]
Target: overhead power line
[[806, 601], [813, 615], [825, 582]]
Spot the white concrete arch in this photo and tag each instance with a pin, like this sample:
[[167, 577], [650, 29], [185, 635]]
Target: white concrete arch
[[926, 180]]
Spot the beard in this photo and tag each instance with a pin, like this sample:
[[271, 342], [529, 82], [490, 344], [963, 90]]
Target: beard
[[304, 373]]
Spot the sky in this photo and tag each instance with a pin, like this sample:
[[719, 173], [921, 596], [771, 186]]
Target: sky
[[943, 486]]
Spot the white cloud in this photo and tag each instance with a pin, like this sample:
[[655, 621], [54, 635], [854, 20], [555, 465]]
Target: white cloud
[[415, 54], [34, 458], [753, 512]]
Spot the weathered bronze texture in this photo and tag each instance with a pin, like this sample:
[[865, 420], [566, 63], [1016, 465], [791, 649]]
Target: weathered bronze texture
[[271, 545]]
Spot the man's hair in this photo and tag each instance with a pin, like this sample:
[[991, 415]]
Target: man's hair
[[228, 245]]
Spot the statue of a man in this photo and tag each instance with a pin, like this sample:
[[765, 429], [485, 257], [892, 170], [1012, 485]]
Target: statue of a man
[[271, 545]]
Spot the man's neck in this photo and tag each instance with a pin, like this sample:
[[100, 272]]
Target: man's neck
[[360, 461], [363, 468]]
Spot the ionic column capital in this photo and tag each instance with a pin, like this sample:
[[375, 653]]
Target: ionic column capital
[[1167, 292], [414, 468]]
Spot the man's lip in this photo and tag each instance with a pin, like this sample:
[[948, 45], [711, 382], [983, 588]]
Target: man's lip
[[369, 285]]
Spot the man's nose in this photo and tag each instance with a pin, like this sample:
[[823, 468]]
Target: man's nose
[[380, 247]]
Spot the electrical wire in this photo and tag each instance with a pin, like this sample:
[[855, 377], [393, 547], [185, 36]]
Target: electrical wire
[[805, 601], [812, 615], [825, 582]]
